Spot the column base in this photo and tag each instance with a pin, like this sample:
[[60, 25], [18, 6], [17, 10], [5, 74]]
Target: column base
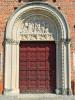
[[69, 92], [63, 91], [58, 91], [66, 91], [11, 92]]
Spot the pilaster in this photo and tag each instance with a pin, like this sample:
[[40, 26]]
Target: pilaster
[[11, 74]]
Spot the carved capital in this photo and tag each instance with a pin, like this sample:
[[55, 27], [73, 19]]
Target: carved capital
[[66, 41], [11, 41]]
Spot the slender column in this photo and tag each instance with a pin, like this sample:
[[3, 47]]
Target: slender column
[[69, 68], [15, 68], [58, 68], [11, 67], [64, 69], [8, 69]]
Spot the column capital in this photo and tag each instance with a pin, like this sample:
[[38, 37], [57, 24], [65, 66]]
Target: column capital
[[65, 40], [11, 41]]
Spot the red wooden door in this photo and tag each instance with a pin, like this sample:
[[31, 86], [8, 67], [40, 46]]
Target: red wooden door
[[37, 72]]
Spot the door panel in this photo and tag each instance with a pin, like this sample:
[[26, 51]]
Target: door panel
[[37, 72]]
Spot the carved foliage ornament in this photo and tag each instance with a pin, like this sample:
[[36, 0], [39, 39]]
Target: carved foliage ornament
[[36, 37]]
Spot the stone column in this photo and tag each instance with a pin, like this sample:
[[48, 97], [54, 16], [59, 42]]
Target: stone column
[[64, 69], [15, 67], [58, 67], [11, 67], [68, 68], [8, 68]]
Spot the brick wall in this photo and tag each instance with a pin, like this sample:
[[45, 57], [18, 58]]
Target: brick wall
[[67, 7]]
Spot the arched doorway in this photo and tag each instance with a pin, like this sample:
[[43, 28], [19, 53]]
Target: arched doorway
[[37, 22]]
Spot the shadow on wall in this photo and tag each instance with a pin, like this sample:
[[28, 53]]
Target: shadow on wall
[[1, 87], [30, 0], [73, 86]]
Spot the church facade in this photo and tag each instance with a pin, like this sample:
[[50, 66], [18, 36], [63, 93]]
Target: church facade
[[37, 47]]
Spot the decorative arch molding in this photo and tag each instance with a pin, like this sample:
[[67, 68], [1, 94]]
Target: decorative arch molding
[[37, 22]]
